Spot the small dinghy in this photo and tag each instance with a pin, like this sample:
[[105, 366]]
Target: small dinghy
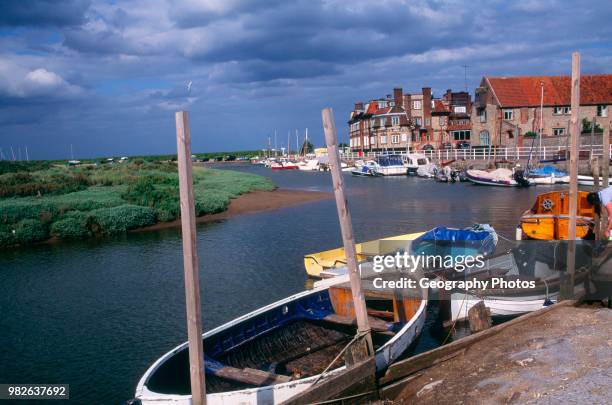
[[480, 239], [548, 219], [498, 177], [278, 351], [508, 299]]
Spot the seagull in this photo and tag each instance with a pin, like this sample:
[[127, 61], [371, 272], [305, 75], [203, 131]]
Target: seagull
[[189, 86]]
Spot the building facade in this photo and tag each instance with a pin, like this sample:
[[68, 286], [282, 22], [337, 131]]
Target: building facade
[[507, 111], [410, 121]]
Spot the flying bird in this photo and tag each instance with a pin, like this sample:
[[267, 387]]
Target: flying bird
[[189, 87]]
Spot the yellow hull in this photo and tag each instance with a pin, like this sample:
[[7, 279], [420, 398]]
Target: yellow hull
[[315, 263]]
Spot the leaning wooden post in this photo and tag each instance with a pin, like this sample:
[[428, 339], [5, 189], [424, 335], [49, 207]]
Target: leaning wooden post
[[605, 161], [567, 290], [346, 226], [190, 261]]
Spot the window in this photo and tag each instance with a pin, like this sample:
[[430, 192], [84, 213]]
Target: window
[[404, 138], [427, 122], [366, 141], [482, 114], [416, 105], [417, 121], [395, 120], [484, 137], [460, 109], [508, 114], [372, 123], [382, 121], [557, 110], [602, 110], [372, 140], [382, 104], [441, 121], [383, 139], [461, 135], [357, 142], [567, 110], [558, 131], [395, 139]]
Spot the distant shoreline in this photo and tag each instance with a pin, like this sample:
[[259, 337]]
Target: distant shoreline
[[252, 202]]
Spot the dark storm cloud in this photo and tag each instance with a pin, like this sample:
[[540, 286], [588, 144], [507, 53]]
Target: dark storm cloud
[[116, 70], [41, 13]]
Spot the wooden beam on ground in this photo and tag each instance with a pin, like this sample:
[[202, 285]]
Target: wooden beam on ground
[[567, 287], [346, 226], [190, 260], [411, 365], [355, 380]]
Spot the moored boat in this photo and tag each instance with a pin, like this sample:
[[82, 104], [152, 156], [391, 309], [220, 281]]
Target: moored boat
[[498, 177], [590, 180], [280, 350], [284, 165], [318, 264], [548, 219], [391, 165], [367, 168], [548, 175]]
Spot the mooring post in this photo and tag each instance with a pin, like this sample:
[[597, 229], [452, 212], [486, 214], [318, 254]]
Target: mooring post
[[567, 288], [346, 226], [190, 260], [595, 166]]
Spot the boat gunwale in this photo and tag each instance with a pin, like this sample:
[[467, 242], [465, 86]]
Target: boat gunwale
[[143, 393]]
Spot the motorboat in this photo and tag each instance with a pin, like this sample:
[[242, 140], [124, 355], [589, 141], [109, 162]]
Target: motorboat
[[498, 177], [280, 350], [311, 165], [590, 180], [414, 161], [284, 164], [367, 168], [427, 171], [548, 219], [548, 175], [391, 165]]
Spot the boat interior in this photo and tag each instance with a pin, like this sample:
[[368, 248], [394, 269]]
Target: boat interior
[[295, 340]]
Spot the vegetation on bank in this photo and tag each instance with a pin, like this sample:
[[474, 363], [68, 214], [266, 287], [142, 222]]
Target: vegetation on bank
[[39, 200]]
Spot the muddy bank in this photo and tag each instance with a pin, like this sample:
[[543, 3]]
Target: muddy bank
[[255, 201]]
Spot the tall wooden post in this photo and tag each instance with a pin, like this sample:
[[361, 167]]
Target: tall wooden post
[[346, 227], [605, 161], [190, 260], [567, 289]]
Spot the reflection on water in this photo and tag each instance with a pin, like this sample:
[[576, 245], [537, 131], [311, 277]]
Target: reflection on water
[[97, 313]]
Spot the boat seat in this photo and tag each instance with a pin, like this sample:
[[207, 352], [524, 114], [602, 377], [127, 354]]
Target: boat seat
[[377, 325], [251, 376]]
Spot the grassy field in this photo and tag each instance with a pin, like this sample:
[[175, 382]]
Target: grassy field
[[39, 200]]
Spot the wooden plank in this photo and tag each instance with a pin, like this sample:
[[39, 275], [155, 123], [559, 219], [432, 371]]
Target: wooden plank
[[346, 227], [190, 260], [421, 361], [567, 288], [251, 376], [358, 378], [377, 325]]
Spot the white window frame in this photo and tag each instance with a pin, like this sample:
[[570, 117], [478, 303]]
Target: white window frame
[[508, 114], [460, 109], [427, 122], [602, 110], [395, 138], [557, 110], [482, 114], [417, 121], [558, 131], [404, 138], [395, 120], [372, 140], [417, 104], [383, 139], [567, 110]]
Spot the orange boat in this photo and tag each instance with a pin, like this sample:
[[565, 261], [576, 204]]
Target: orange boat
[[549, 217]]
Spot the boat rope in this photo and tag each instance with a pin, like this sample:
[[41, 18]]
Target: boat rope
[[357, 336], [452, 328]]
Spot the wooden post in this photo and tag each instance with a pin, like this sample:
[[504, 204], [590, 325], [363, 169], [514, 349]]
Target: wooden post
[[595, 163], [567, 288], [190, 261], [605, 161], [346, 226], [479, 317]]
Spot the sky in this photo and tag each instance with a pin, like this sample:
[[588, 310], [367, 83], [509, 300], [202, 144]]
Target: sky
[[107, 76]]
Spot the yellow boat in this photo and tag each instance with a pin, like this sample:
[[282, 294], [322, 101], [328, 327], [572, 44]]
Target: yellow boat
[[548, 219], [317, 263]]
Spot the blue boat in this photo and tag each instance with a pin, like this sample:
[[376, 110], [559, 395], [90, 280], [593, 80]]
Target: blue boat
[[547, 171], [480, 239]]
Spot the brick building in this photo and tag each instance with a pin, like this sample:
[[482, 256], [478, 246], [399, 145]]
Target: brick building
[[409, 121], [507, 108]]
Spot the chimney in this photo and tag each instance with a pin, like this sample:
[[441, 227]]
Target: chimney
[[398, 96], [426, 105], [359, 106]]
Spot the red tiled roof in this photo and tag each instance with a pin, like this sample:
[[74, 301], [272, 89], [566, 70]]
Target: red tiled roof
[[439, 106], [525, 91], [372, 107]]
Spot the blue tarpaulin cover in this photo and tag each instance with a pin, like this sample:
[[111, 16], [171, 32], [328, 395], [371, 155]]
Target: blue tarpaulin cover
[[547, 171], [478, 239]]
